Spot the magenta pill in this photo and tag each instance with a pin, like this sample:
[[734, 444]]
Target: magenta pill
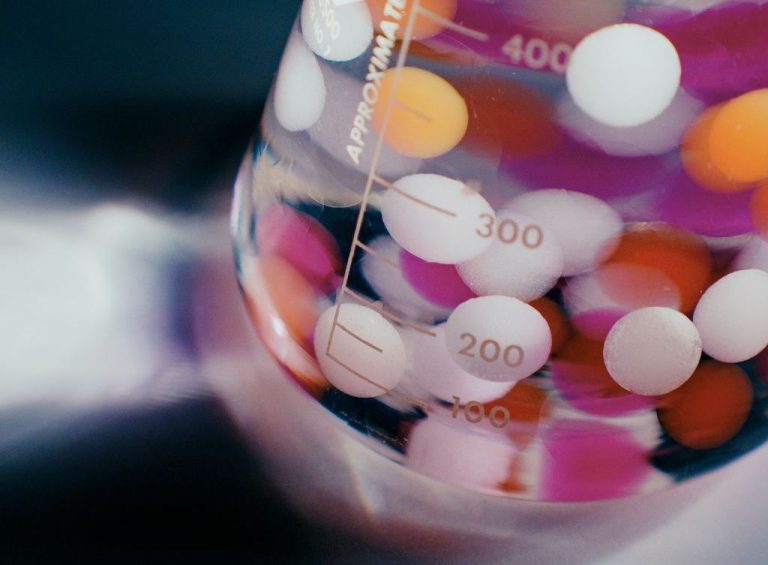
[[588, 460], [436, 282], [303, 242]]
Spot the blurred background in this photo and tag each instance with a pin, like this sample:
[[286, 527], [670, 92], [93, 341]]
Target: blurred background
[[121, 130]]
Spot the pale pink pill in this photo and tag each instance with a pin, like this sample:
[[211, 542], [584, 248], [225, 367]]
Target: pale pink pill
[[498, 338], [660, 135], [303, 242], [435, 370], [754, 255], [438, 283], [459, 452], [585, 227], [595, 301]]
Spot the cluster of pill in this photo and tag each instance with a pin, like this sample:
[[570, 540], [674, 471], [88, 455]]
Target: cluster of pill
[[638, 286]]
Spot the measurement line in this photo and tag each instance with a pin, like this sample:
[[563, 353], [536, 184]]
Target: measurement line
[[377, 255], [413, 111], [413, 198], [360, 298], [387, 314], [445, 22], [359, 375], [412, 325], [398, 71], [362, 340], [409, 398], [395, 393]]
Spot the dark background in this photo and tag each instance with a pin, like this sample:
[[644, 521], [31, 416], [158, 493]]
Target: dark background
[[149, 95]]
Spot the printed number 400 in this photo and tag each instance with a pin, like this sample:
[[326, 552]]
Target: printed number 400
[[537, 54]]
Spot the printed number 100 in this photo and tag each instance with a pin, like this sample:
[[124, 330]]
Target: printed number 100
[[474, 413]]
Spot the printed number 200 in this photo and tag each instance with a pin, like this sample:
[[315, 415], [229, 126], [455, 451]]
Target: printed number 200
[[490, 350]]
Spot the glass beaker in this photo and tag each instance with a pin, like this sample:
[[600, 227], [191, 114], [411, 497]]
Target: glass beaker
[[508, 251]]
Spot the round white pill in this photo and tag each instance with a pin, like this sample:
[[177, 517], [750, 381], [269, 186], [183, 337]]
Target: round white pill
[[586, 228], [498, 338], [524, 261], [652, 350], [382, 271], [299, 88], [732, 316], [436, 371], [337, 31], [437, 218], [624, 75], [658, 136], [458, 452], [584, 294], [366, 356]]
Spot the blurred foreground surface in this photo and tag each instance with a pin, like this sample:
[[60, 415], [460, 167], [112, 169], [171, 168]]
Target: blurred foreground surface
[[113, 447]]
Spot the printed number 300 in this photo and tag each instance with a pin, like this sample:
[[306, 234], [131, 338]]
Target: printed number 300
[[508, 231]]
